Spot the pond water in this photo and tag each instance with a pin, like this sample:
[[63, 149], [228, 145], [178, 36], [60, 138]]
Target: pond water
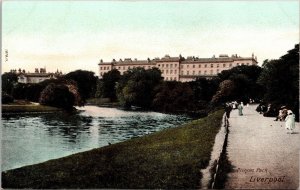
[[34, 138]]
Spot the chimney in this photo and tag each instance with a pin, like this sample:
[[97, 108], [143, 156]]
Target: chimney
[[36, 70]]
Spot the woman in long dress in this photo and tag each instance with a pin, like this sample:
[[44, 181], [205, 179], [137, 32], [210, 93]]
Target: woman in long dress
[[240, 108], [290, 121]]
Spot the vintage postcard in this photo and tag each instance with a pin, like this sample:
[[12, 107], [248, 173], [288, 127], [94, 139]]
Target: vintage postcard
[[150, 95]]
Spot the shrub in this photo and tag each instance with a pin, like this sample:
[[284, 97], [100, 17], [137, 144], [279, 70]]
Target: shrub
[[57, 95]]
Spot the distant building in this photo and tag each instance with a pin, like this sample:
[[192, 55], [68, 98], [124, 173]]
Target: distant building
[[38, 76], [180, 68]]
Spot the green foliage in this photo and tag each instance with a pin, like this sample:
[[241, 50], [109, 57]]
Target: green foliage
[[136, 87], [57, 95], [204, 89], [224, 93], [281, 80], [170, 159], [172, 96], [86, 83], [8, 82], [106, 88], [244, 79]]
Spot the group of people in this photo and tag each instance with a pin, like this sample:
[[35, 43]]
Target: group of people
[[289, 117], [230, 106], [284, 114]]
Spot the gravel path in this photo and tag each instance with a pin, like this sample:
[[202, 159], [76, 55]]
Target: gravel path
[[263, 155]]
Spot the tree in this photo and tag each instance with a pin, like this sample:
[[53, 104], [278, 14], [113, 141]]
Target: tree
[[245, 81], [8, 81], [225, 92], [86, 82], [136, 87], [281, 80], [57, 95], [173, 96], [204, 89], [106, 88]]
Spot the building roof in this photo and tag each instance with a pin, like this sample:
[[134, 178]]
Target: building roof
[[190, 59], [37, 74]]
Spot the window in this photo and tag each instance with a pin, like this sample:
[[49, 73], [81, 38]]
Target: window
[[188, 66], [123, 68], [211, 72], [205, 65], [149, 67], [100, 68], [175, 65], [167, 71], [159, 65], [187, 73], [237, 64], [162, 71], [171, 71], [181, 72], [170, 78], [224, 65], [119, 67], [199, 72], [175, 71], [181, 66], [247, 63], [167, 65], [242, 63], [166, 78], [171, 65], [199, 65], [193, 72], [162, 65], [217, 65], [217, 70], [193, 66], [211, 65], [230, 65], [205, 72]]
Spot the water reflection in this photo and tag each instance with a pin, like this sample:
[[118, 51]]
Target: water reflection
[[30, 139]]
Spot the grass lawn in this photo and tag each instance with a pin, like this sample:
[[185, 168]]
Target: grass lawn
[[27, 108], [171, 158]]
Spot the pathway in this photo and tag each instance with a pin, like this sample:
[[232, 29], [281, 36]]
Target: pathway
[[263, 155]]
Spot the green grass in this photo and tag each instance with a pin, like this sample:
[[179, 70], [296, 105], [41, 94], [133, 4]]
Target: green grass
[[27, 108], [171, 158]]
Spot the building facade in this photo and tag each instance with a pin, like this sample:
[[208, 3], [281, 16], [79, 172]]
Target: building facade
[[180, 68], [38, 76]]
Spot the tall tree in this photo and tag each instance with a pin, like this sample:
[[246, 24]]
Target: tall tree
[[86, 82], [136, 87], [8, 81], [281, 80], [106, 88]]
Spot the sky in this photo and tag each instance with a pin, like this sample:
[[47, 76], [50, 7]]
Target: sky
[[71, 35]]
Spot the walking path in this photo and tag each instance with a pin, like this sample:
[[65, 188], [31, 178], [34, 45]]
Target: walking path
[[263, 155]]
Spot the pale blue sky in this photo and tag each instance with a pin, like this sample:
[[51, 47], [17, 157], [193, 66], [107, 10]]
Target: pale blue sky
[[69, 35]]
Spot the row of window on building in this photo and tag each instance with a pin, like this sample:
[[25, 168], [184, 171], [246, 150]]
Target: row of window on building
[[175, 65]]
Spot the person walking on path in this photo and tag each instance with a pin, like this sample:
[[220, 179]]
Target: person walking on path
[[228, 109], [240, 108], [290, 121]]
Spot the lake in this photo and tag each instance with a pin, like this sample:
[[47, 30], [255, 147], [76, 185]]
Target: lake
[[33, 138]]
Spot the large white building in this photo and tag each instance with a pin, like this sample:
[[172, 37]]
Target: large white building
[[180, 68]]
